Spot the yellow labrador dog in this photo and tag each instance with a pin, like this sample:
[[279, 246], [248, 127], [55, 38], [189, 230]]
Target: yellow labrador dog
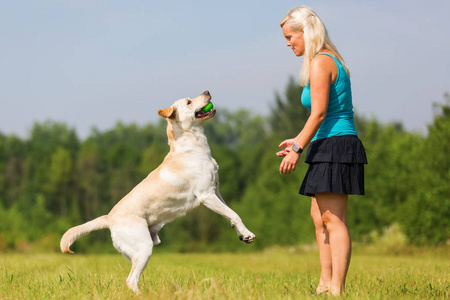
[[187, 177]]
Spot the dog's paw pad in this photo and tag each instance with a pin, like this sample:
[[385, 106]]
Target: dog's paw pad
[[248, 238]]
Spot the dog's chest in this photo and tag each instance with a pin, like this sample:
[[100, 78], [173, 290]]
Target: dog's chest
[[190, 171], [202, 166]]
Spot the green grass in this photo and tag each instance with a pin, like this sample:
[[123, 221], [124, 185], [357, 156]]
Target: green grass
[[272, 274]]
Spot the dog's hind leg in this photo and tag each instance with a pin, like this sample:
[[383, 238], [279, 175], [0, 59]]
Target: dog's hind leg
[[134, 241], [154, 233], [138, 264]]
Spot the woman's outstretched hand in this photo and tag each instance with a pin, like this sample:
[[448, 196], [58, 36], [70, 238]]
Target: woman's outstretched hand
[[288, 143]]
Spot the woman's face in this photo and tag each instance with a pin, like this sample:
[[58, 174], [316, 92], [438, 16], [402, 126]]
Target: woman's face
[[294, 40]]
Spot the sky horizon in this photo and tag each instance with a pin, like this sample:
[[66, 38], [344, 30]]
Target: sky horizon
[[93, 63]]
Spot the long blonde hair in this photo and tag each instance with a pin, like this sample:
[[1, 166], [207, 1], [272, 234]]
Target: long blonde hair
[[315, 35]]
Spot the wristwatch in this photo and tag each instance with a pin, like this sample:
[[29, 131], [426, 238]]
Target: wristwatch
[[297, 149]]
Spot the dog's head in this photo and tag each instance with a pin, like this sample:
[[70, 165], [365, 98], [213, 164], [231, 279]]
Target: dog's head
[[188, 112]]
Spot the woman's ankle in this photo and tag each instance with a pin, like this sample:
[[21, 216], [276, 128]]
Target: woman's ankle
[[322, 288]]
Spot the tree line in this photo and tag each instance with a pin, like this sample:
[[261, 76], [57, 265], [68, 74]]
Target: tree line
[[52, 180]]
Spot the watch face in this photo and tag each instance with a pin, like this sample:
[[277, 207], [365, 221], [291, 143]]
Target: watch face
[[297, 149]]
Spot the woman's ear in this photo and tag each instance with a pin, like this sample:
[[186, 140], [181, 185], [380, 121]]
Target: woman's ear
[[168, 113]]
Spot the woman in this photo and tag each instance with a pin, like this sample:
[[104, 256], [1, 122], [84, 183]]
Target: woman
[[336, 156]]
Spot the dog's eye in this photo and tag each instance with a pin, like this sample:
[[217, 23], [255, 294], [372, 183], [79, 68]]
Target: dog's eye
[[189, 102]]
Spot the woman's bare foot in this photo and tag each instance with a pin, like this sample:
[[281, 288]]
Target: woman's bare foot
[[321, 289]]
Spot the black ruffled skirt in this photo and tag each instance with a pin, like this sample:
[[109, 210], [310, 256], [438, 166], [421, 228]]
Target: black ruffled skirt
[[336, 165]]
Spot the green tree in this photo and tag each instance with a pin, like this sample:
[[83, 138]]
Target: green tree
[[272, 207], [60, 173], [152, 158], [12, 163], [426, 213], [288, 115], [88, 178], [45, 140]]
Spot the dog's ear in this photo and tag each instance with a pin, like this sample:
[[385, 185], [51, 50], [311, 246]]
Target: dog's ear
[[168, 113]]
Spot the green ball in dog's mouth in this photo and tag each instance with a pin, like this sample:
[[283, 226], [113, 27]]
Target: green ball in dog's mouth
[[208, 107]]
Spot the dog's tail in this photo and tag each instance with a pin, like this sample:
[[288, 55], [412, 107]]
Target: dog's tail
[[76, 232]]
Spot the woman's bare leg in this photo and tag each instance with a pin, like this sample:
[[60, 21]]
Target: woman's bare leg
[[324, 248], [333, 209]]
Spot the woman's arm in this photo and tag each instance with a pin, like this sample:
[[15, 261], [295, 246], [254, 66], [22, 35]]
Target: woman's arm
[[323, 73]]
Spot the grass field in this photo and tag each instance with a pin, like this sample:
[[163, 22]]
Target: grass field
[[272, 274]]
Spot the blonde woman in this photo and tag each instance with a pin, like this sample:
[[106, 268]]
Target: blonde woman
[[336, 156]]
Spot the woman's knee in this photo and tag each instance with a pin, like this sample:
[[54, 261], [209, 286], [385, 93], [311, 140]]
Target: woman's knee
[[331, 221], [333, 208], [317, 218]]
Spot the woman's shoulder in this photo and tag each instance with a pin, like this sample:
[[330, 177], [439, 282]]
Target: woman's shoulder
[[325, 56], [323, 63]]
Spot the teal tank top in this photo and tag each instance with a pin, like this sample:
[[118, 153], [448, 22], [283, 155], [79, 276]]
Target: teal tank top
[[339, 119]]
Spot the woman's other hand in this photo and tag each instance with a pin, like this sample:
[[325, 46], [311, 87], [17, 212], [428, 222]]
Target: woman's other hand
[[289, 162]]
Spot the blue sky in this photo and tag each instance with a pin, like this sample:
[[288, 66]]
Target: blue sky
[[92, 62]]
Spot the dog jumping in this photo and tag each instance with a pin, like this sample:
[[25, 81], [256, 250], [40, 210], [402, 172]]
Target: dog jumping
[[186, 178]]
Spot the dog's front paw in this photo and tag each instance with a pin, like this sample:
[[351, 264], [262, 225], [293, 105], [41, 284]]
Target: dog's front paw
[[247, 238]]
